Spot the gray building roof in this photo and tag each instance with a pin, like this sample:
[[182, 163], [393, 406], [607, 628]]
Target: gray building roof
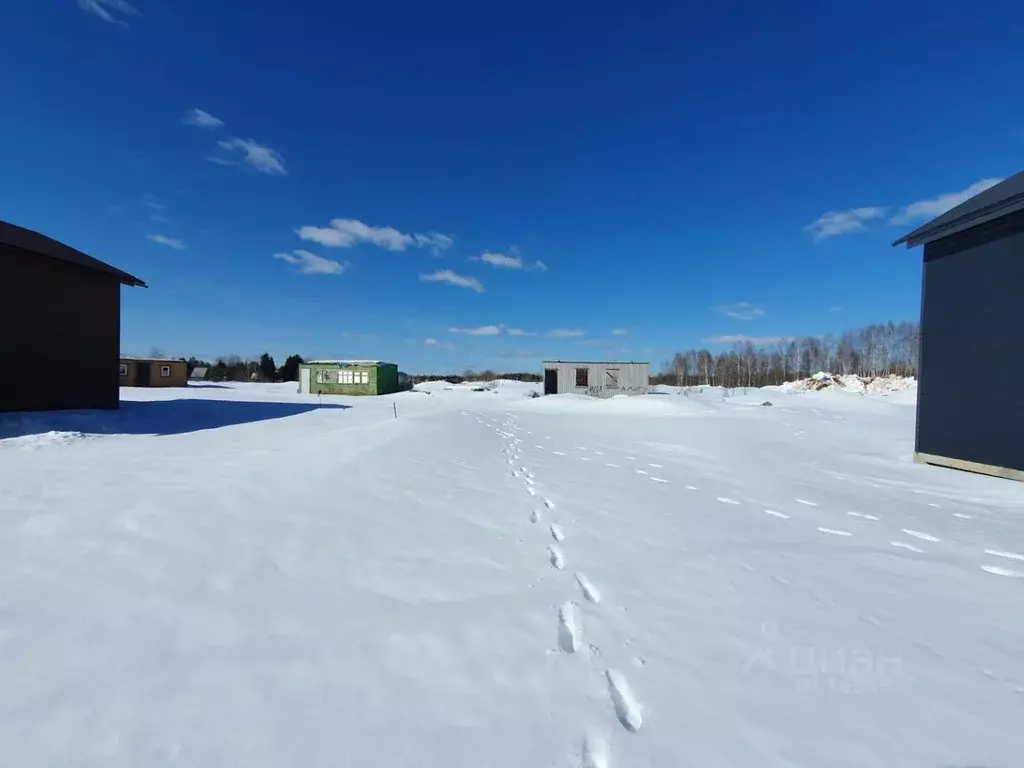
[[27, 240], [597, 362], [995, 202]]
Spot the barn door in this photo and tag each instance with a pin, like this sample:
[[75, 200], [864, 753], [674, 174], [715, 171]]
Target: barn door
[[550, 381], [142, 374]]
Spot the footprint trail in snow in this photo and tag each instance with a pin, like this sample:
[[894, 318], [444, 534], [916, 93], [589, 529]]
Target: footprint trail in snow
[[627, 709]]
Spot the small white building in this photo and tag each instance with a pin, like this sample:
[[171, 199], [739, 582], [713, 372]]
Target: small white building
[[597, 379]]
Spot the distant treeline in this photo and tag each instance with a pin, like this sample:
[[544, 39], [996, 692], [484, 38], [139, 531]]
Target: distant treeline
[[874, 350], [235, 368], [470, 375]]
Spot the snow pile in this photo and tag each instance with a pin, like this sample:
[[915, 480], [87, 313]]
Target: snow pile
[[506, 387], [860, 385], [883, 385]]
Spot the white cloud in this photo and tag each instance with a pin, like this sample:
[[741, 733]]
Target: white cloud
[[170, 242], [152, 203], [435, 240], [509, 261], [436, 343], [246, 152], [619, 332], [565, 333], [108, 10], [745, 339], [158, 219], [501, 260], [483, 330], [835, 309], [520, 332], [311, 264], [741, 310], [936, 206], [347, 233], [843, 222], [447, 276], [199, 118]]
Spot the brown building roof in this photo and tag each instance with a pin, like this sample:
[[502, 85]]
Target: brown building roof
[[27, 240]]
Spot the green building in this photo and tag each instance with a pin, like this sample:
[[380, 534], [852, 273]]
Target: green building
[[348, 377]]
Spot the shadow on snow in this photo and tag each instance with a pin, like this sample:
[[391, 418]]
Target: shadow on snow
[[154, 417]]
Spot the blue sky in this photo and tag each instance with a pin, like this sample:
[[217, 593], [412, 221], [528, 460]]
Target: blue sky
[[379, 179]]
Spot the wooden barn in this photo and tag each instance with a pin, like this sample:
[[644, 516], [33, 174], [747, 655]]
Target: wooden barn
[[152, 372], [60, 311]]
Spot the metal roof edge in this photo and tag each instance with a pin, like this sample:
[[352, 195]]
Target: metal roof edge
[[928, 234], [31, 241], [601, 362]]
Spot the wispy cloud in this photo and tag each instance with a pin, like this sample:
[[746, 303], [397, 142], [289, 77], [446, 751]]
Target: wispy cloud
[[437, 344], [447, 276], [835, 309], [347, 233], [745, 339], [483, 330], [512, 260], [110, 10], [433, 240], [200, 118], [835, 223], [170, 242], [152, 203], [311, 264], [741, 310], [936, 206], [619, 332], [247, 153], [158, 218], [565, 333], [520, 332]]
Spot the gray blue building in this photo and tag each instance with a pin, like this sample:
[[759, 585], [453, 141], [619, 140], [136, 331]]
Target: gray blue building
[[971, 361]]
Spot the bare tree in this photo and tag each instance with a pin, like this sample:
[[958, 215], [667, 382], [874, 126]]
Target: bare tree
[[890, 348]]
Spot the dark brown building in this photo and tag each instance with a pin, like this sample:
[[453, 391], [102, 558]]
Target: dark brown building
[[153, 372], [60, 324]]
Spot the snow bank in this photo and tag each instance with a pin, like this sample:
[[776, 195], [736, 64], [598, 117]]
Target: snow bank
[[504, 387], [876, 385]]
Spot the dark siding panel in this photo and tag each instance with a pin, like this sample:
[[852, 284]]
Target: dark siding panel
[[972, 353], [60, 340]]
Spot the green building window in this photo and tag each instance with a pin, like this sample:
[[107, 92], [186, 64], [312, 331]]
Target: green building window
[[353, 377]]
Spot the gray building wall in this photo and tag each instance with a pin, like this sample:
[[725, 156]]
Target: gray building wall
[[604, 379], [972, 346]]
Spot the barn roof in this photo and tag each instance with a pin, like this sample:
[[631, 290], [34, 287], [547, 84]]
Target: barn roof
[[995, 202], [596, 362], [131, 359], [27, 240]]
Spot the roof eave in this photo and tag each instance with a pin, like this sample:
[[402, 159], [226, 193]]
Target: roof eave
[[928, 233]]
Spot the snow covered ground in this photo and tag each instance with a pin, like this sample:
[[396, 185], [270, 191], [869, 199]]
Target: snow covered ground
[[234, 576]]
